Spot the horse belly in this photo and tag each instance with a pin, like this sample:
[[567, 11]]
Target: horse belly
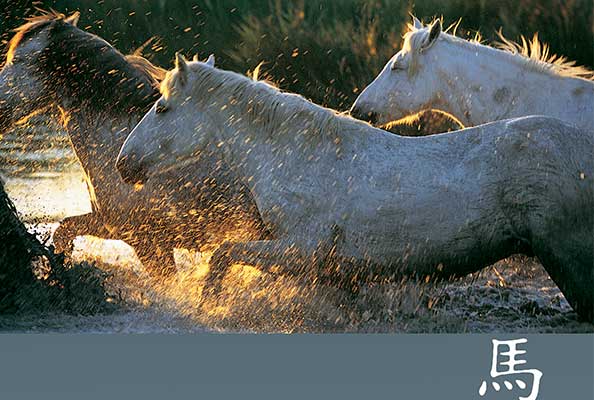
[[447, 223]]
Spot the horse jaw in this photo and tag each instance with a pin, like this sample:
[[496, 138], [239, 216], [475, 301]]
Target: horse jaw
[[380, 102]]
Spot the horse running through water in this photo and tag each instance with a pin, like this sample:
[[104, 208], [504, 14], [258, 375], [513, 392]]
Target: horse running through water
[[342, 198], [101, 95], [476, 83]]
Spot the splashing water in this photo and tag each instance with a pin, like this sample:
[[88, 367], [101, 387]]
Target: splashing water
[[515, 295]]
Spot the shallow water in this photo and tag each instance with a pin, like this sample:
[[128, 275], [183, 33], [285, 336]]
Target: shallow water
[[46, 184]]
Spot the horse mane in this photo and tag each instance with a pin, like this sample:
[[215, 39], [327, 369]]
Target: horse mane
[[70, 49], [31, 25], [537, 53], [157, 74], [262, 104], [534, 54], [154, 73]]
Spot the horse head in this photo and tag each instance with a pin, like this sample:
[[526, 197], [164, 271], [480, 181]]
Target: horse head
[[51, 62], [406, 85], [162, 140]]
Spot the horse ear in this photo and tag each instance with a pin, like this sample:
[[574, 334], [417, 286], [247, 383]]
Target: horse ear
[[195, 58], [416, 23], [181, 64], [73, 19], [434, 32], [211, 60]]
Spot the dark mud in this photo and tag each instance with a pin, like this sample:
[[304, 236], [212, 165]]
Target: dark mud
[[34, 279]]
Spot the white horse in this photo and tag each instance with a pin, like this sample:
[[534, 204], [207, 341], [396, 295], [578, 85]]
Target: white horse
[[343, 198], [101, 94], [476, 83]]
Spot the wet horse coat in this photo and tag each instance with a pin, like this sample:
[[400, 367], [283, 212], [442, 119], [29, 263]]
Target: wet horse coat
[[341, 197], [102, 95]]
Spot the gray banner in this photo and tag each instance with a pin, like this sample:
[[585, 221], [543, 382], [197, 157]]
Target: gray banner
[[293, 366]]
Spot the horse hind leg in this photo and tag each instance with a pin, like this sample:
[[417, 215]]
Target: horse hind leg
[[561, 235], [569, 261], [551, 190]]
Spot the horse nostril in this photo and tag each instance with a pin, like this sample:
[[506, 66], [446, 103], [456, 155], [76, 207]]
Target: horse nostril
[[131, 170]]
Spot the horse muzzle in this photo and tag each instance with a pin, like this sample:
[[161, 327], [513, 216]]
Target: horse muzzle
[[364, 115], [131, 170]]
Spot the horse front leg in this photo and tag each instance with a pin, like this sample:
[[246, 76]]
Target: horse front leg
[[285, 256], [78, 225]]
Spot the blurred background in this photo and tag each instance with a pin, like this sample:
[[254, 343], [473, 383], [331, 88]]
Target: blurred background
[[325, 50]]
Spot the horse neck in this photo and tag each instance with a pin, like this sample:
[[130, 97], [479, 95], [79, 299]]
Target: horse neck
[[98, 122], [478, 84], [96, 139], [262, 143], [266, 153]]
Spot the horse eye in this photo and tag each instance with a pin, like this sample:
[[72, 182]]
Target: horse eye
[[160, 108]]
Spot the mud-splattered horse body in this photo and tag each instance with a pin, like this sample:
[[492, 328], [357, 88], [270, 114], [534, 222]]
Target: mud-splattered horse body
[[101, 95], [341, 195]]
